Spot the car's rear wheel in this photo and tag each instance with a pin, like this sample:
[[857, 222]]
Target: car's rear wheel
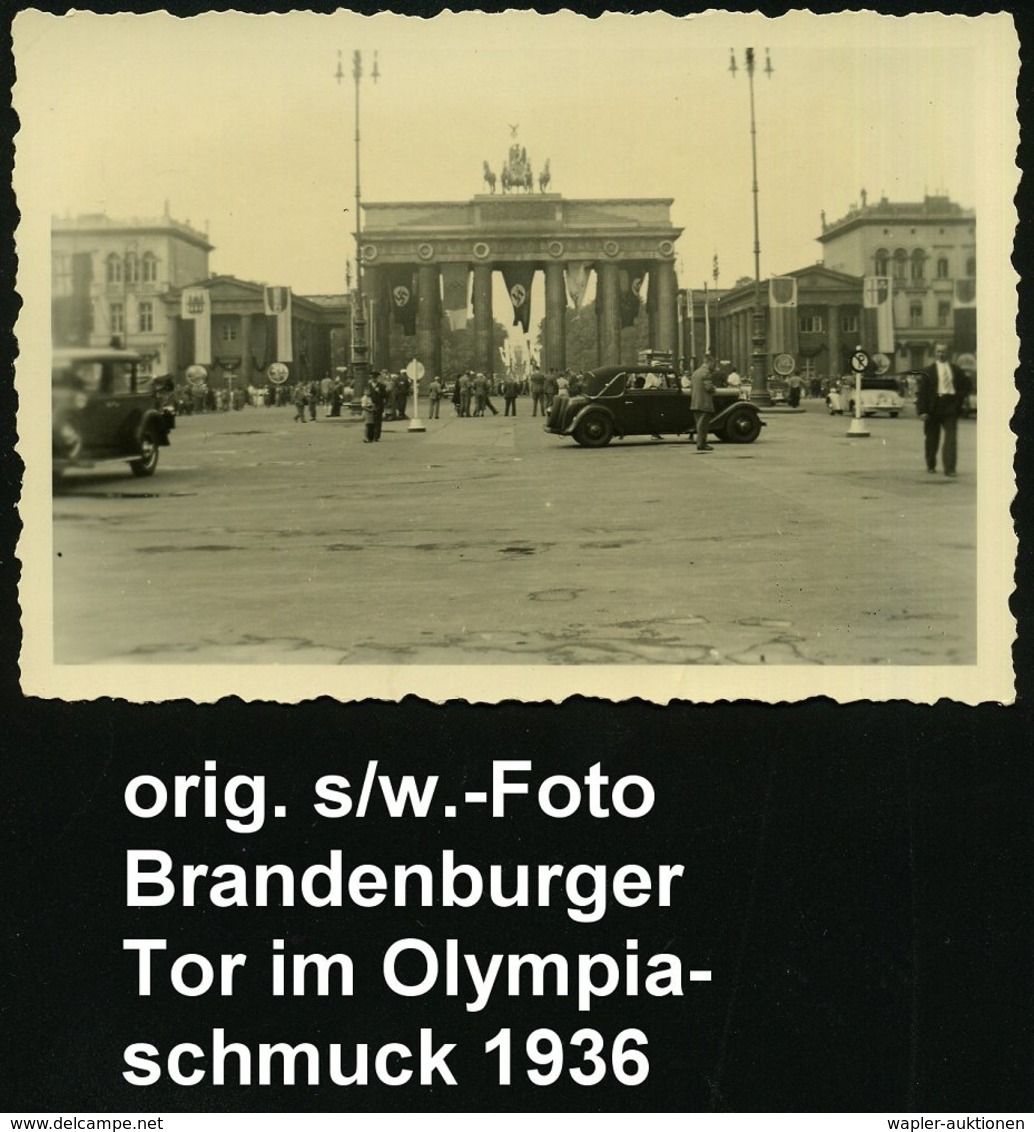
[[741, 427], [594, 431], [893, 415], [146, 464]]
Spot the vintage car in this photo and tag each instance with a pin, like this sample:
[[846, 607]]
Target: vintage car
[[646, 401], [879, 395], [100, 414]]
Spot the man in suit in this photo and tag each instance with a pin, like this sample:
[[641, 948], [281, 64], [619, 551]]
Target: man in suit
[[702, 404], [940, 393]]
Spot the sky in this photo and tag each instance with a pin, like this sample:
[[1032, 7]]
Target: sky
[[237, 121]]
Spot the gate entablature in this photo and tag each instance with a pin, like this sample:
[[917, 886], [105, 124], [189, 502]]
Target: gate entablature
[[523, 228]]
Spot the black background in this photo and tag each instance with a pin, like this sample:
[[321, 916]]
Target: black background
[[858, 879]]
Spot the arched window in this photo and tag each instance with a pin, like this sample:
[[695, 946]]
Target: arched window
[[918, 263], [114, 268], [881, 259], [150, 267], [900, 260], [132, 268], [942, 268]]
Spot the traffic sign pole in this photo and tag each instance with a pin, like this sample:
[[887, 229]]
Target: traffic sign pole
[[859, 363]]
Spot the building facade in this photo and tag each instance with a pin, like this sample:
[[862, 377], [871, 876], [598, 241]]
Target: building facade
[[827, 322], [108, 279], [928, 251], [245, 339]]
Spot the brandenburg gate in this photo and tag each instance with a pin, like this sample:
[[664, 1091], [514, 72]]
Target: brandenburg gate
[[412, 252]]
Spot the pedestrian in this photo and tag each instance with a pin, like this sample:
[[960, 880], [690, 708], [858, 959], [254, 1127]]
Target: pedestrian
[[793, 390], [457, 393], [378, 395], [434, 394], [537, 385], [941, 391], [702, 402], [301, 399], [510, 388], [336, 397], [479, 393], [314, 396], [466, 391], [549, 390], [369, 417], [401, 395]]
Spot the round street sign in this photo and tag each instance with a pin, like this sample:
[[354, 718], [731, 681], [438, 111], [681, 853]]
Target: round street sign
[[415, 370], [277, 373], [859, 361], [196, 375], [783, 364]]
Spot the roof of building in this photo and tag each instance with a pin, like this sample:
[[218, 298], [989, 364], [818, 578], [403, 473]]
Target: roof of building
[[930, 209], [98, 223]]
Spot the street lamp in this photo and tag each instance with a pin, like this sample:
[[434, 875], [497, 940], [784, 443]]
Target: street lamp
[[759, 353], [360, 346]]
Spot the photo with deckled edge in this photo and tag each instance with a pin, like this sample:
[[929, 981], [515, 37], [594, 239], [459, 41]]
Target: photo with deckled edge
[[41, 157]]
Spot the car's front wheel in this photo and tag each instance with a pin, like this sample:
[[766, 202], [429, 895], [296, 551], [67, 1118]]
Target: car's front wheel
[[146, 464], [741, 427], [594, 431]]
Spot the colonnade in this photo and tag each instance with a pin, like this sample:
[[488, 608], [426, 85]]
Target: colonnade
[[662, 309]]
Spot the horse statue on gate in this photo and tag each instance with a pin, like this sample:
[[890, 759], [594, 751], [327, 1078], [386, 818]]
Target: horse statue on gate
[[489, 177], [544, 177]]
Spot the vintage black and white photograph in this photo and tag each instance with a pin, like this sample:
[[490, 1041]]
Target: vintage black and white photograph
[[513, 356]]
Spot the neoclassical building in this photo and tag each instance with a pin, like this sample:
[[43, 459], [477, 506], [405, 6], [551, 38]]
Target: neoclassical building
[[108, 278], [928, 249]]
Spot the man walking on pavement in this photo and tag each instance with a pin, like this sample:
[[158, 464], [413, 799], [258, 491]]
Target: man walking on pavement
[[940, 394], [702, 404]]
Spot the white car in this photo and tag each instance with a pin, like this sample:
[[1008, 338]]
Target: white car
[[879, 395]]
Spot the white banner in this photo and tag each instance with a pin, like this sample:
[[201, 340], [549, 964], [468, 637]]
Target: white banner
[[196, 305], [278, 303]]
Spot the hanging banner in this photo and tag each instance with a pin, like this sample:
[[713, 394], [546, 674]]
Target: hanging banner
[[782, 315], [277, 302], [878, 315], [196, 306], [402, 290], [455, 281], [577, 282], [518, 277], [631, 277], [965, 315]]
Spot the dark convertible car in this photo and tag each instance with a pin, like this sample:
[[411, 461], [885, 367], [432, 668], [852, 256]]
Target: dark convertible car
[[646, 401]]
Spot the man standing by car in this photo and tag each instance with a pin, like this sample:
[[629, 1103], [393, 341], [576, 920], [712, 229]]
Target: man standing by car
[[702, 404], [941, 391], [537, 384]]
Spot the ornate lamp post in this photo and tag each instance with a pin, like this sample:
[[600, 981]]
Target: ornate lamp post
[[360, 346], [759, 353]]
